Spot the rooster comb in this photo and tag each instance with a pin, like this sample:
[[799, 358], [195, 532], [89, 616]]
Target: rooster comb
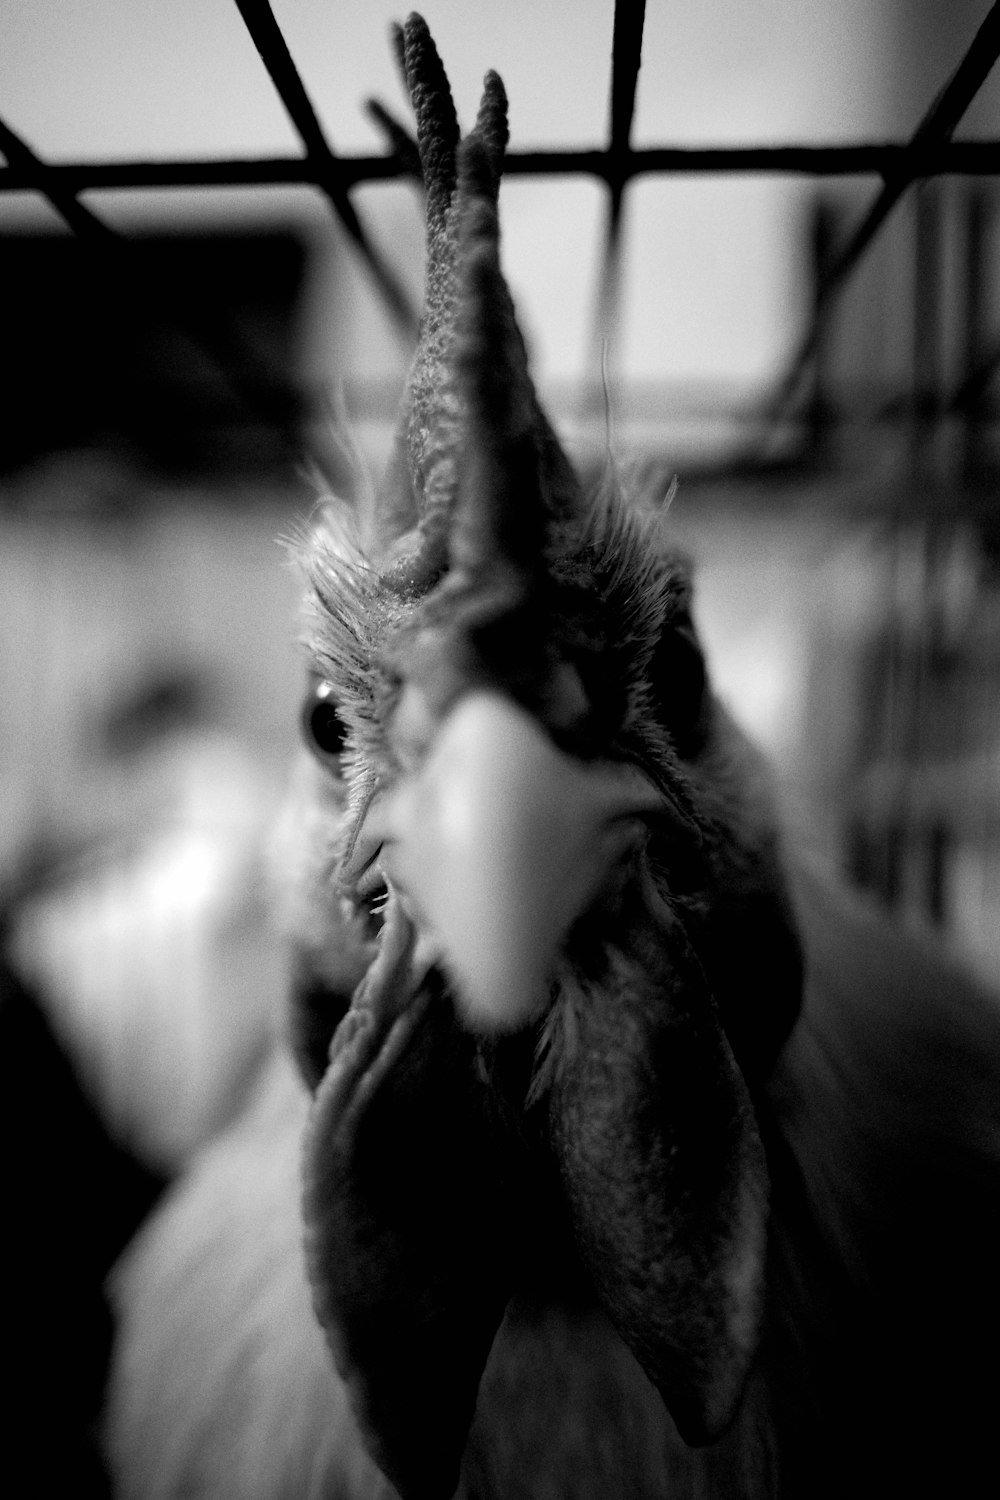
[[477, 470]]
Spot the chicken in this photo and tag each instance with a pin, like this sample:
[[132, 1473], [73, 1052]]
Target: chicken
[[619, 1156]]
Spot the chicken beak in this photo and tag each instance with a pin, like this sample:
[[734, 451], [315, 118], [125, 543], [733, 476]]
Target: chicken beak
[[498, 844]]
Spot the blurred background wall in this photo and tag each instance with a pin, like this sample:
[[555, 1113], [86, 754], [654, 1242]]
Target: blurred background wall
[[160, 406]]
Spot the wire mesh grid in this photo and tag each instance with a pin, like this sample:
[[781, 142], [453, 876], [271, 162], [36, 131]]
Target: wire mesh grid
[[929, 152]]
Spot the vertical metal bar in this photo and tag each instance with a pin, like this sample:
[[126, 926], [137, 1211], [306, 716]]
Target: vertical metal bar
[[925, 394], [822, 237], [922, 691], [970, 399], [626, 60]]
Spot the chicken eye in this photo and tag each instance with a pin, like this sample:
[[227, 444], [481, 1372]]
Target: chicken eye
[[322, 726]]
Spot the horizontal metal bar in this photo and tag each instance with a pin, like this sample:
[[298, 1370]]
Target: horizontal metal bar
[[881, 159], [885, 159]]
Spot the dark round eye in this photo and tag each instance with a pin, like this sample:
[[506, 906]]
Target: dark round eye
[[679, 679], [322, 725]]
